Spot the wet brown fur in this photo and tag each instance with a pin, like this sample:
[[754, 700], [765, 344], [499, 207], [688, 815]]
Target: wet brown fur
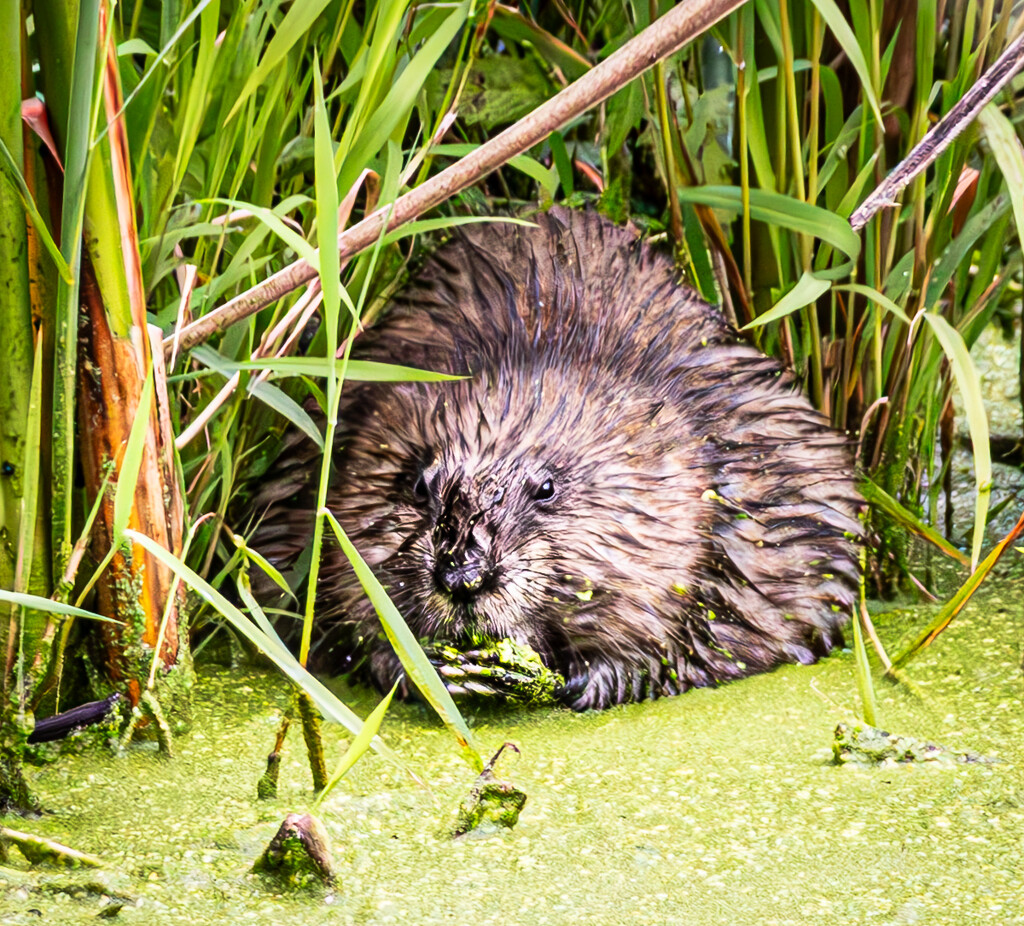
[[702, 518]]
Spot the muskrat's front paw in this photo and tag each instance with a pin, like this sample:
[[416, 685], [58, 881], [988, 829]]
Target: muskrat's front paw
[[504, 669], [463, 677]]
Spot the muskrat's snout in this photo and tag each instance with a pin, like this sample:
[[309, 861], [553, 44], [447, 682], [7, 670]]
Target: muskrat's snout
[[463, 567], [463, 564], [462, 581]]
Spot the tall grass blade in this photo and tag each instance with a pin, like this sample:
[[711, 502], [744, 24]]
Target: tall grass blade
[[862, 670], [292, 27], [17, 182], [357, 748], [39, 603], [270, 395], [832, 15], [956, 603], [363, 371], [869, 292], [330, 284], [967, 381], [807, 290], [878, 497], [418, 667], [400, 99], [81, 108], [268, 644], [131, 463]]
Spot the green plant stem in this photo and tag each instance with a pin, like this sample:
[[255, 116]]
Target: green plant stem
[[742, 92], [15, 310], [77, 103], [671, 173]]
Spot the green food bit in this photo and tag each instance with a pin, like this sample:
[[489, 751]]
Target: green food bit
[[490, 806]]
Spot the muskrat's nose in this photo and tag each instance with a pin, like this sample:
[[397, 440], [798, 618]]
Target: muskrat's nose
[[460, 580]]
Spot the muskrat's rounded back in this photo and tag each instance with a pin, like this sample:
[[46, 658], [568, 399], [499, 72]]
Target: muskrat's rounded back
[[619, 483]]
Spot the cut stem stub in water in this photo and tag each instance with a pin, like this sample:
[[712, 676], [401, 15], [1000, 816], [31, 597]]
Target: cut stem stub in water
[[300, 852], [491, 805]]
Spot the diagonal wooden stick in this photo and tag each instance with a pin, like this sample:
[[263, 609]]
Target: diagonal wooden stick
[[662, 38], [941, 135]]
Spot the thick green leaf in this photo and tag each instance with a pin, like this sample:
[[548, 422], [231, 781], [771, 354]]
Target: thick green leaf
[[776, 209], [563, 163], [82, 107], [808, 288], [136, 47], [1009, 156]]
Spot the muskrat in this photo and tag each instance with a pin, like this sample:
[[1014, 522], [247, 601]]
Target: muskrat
[[620, 483]]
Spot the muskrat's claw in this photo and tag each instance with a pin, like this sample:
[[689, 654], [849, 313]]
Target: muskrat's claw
[[600, 684], [488, 680]]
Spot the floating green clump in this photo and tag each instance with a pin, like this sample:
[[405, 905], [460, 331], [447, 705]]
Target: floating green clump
[[859, 744]]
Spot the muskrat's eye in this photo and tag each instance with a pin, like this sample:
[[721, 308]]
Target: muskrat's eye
[[545, 490], [419, 489]]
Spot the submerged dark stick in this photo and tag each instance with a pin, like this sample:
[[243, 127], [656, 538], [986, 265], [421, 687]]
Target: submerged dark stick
[[61, 725]]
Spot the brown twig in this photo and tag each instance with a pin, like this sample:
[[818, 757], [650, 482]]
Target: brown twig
[[39, 850], [662, 38], [943, 133]]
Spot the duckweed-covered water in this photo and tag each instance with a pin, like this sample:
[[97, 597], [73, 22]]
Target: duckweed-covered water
[[717, 807]]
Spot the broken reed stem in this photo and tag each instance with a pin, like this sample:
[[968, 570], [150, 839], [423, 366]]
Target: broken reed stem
[[657, 41]]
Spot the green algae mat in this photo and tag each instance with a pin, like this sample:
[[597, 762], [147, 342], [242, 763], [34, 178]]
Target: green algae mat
[[717, 807]]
